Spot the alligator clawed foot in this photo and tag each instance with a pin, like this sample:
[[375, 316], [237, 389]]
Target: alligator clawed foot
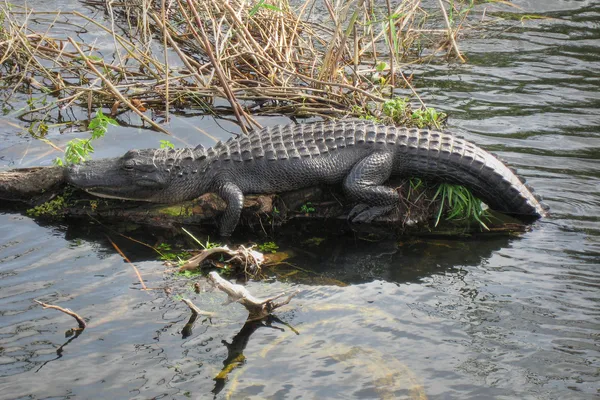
[[357, 210], [363, 213]]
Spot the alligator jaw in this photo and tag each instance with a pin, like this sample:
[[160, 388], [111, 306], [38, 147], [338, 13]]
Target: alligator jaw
[[107, 178], [109, 196]]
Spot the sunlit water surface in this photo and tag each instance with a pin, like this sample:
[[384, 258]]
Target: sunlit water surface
[[499, 318]]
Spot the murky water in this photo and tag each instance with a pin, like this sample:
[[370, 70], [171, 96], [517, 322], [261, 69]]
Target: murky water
[[489, 317]]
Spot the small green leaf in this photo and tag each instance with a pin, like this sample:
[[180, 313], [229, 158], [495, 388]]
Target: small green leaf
[[94, 123], [382, 66], [165, 144], [111, 121]]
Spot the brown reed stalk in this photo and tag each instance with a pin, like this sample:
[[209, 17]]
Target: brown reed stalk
[[163, 16], [282, 59], [116, 91], [237, 109], [451, 33]]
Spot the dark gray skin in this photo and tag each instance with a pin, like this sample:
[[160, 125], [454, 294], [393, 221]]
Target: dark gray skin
[[359, 155]]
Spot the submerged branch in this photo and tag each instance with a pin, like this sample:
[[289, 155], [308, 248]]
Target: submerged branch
[[135, 269]]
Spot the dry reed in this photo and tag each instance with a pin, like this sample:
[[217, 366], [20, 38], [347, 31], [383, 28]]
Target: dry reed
[[263, 57]]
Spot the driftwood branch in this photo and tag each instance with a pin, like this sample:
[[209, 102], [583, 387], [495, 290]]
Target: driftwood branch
[[247, 258], [67, 311], [258, 308]]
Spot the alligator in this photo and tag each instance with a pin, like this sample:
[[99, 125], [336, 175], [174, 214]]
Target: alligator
[[360, 155]]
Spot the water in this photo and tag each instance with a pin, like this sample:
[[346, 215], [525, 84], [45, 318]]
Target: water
[[489, 317]]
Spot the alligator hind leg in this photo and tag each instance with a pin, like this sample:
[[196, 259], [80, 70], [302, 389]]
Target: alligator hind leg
[[364, 186], [234, 197]]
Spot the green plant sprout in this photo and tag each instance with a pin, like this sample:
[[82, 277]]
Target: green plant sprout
[[399, 111], [261, 4], [207, 245], [79, 150], [165, 144], [307, 208]]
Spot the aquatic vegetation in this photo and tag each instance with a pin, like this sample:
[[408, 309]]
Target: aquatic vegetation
[[190, 274], [428, 117], [52, 208], [399, 111], [167, 253], [268, 247]]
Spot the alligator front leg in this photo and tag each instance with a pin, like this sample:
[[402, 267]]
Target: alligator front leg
[[364, 185], [234, 197]]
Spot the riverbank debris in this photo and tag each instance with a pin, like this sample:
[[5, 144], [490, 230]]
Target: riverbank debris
[[248, 259], [265, 58]]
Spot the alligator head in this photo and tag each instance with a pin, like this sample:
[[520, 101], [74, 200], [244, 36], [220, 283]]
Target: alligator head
[[155, 175]]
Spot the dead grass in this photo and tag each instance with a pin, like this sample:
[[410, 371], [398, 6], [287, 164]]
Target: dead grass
[[263, 57]]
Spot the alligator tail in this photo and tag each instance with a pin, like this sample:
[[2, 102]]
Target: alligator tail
[[443, 157]]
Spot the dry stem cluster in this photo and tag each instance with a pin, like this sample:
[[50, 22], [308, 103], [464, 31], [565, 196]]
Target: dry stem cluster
[[262, 56]]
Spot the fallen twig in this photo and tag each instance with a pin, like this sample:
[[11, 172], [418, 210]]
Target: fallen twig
[[196, 310], [201, 34], [137, 272], [116, 91], [67, 311]]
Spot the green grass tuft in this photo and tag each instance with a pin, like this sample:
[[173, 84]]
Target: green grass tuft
[[460, 203]]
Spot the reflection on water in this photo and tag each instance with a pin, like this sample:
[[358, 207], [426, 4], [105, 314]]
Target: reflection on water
[[416, 318]]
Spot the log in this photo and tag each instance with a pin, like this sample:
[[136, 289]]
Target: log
[[31, 185], [46, 193]]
